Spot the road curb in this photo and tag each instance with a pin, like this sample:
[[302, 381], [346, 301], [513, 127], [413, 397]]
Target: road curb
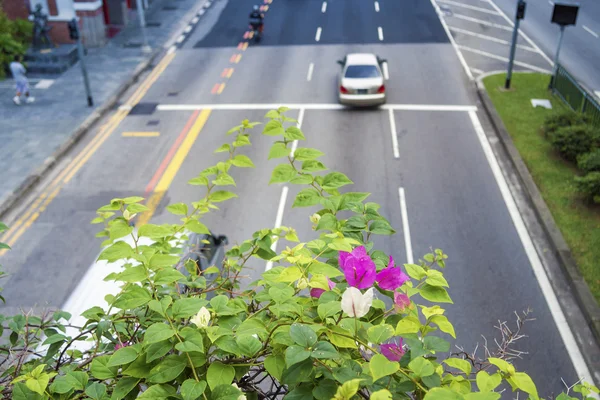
[[76, 136], [583, 295]]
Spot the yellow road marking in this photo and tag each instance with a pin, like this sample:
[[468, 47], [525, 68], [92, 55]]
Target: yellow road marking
[[221, 88], [24, 222], [141, 134], [165, 181], [230, 72]]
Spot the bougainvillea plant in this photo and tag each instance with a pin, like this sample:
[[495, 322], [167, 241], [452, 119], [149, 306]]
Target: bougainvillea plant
[[334, 318]]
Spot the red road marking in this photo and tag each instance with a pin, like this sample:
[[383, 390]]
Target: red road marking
[[215, 88], [170, 154]]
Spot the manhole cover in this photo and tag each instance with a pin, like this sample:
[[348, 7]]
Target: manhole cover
[[154, 122], [143, 109]]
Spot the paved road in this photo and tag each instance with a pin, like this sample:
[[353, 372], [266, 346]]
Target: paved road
[[580, 53], [452, 197]]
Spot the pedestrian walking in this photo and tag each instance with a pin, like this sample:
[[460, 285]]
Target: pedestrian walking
[[18, 72]]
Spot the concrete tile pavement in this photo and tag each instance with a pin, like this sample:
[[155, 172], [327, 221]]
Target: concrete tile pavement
[[31, 133]]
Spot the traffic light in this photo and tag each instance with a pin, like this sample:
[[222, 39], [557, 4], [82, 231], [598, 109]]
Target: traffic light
[[521, 9], [73, 29]]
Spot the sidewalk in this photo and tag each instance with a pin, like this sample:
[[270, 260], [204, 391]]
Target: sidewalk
[[31, 133]]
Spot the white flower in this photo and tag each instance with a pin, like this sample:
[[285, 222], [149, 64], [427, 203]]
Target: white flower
[[201, 319], [242, 396], [356, 304]]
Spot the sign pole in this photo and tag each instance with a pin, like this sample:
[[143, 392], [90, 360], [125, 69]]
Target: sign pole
[[513, 46]]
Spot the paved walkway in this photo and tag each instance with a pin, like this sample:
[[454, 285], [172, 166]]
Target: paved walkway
[[30, 133]]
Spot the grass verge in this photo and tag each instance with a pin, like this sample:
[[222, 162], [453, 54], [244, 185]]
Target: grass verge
[[578, 220]]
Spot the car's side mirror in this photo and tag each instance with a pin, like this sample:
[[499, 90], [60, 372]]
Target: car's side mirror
[[381, 60], [341, 62]]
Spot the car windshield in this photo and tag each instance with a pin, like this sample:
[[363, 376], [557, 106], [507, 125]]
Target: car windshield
[[362, 71]]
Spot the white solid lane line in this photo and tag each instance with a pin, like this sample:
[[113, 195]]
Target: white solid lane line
[[591, 32], [405, 227], [386, 72], [490, 38], [324, 7], [496, 57], [295, 142], [394, 134], [454, 3], [310, 106], [536, 264], [380, 33], [311, 67], [462, 60], [278, 221], [482, 22], [376, 6], [318, 35], [477, 71]]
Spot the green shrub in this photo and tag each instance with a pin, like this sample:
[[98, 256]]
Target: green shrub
[[15, 37], [572, 141], [589, 162], [562, 119], [590, 185]]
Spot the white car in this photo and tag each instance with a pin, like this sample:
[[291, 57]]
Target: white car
[[361, 82]]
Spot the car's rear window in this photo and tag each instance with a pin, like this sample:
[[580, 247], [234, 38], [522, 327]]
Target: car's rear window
[[362, 71]]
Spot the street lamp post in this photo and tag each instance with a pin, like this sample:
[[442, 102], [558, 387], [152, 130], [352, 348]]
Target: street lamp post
[[140, 8], [76, 35], [513, 47]]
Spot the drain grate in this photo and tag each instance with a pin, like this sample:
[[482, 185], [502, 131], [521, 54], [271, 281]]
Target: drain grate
[[153, 24], [143, 109], [153, 122]]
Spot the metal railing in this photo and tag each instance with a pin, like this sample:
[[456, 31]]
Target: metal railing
[[575, 96]]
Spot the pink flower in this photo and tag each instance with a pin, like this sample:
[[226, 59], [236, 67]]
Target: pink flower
[[317, 292], [401, 301], [393, 351], [360, 271], [391, 278], [121, 345]]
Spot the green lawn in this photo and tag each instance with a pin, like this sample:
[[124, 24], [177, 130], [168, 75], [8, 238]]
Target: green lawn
[[578, 220]]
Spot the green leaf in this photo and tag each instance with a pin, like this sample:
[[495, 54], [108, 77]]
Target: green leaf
[[305, 154], [221, 195], [318, 267], [55, 339], [382, 394], [273, 128], [157, 333], [307, 197], [192, 390], [122, 356], [408, 325], [301, 392], [442, 394], [124, 387], [133, 274], [249, 345], [193, 341], [77, 379], [242, 161], [324, 350], [301, 372], [61, 385], [21, 392], [379, 366], [486, 396], [525, 383], [325, 390], [119, 228], [500, 363], [347, 390], [282, 173], [415, 271], [163, 260], [219, 374], [459, 364], [303, 335], [445, 326], [157, 350], [101, 370], [275, 366], [421, 367], [116, 251], [294, 133], [281, 294], [487, 382], [155, 231], [335, 180], [224, 148], [278, 150], [380, 333], [436, 344], [226, 392], [197, 227], [295, 354], [132, 297], [381, 227], [436, 278], [139, 368], [290, 274], [329, 309], [187, 307], [224, 179], [313, 166], [435, 294], [158, 392], [96, 390], [168, 369], [177, 209]]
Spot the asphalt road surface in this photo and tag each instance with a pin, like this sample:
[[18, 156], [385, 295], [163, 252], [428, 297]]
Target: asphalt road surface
[[424, 155]]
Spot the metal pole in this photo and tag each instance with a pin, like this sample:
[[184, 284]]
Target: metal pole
[[555, 70], [140, 8], [86, 82], [513, 48]]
